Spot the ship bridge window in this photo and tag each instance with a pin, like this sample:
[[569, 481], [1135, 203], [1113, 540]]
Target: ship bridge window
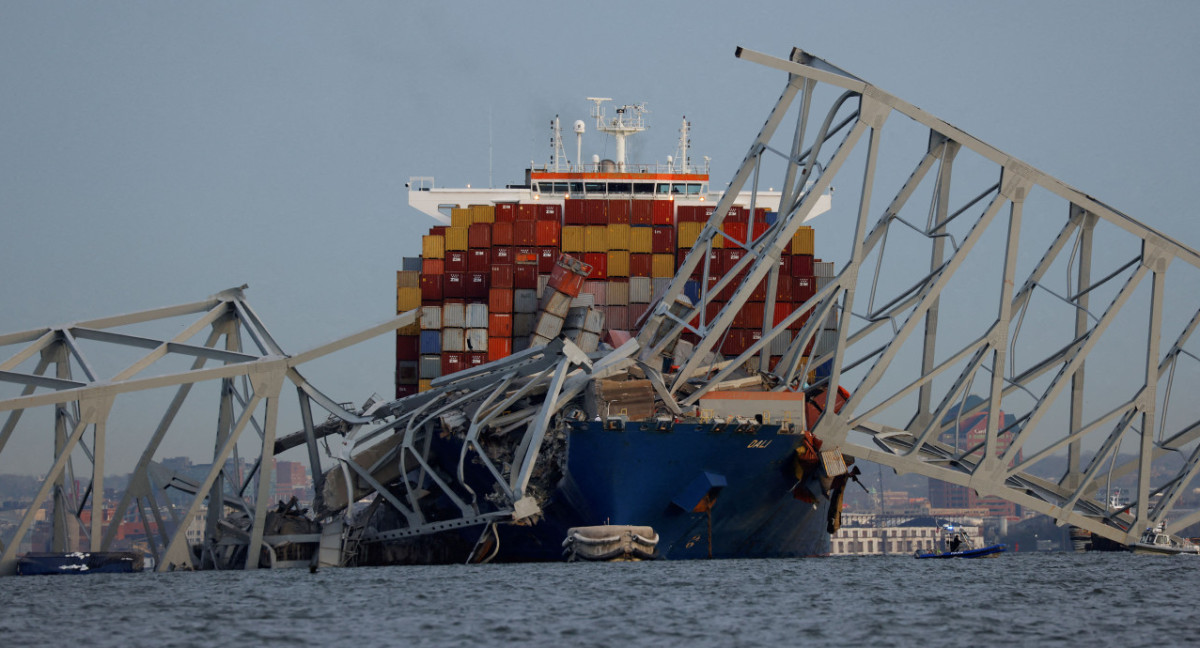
[[693, 188], [664, 188], [679, 188], [619, 187], [560, 187], [576, 188], [594, 187], [643, 187]]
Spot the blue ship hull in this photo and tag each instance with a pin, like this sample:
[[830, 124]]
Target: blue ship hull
[[707, 492], [112, 562]]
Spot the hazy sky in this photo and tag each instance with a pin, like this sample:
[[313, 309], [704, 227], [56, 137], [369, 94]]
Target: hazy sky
[[156, 153]]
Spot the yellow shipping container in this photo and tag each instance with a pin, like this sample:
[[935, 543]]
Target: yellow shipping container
[[424, 385], [407, 299], [411, 329], [618, 263], [433, 246], [460, 217], [618, 236], [718, 241], [483, 214], [456, 238], [573, 238], [689, 233], [595, 238], [641, 240], [408, 279], [803, 241], [662, 266]]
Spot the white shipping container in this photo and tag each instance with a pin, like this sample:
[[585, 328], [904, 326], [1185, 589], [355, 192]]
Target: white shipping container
[[534, 341], [639, 290], [543, 281], [575, 318], [584, 299], [660, 286], [617, 294], [431, 318], [477, 316], [556, 304], [549, 326], [594, 321], [588, 341], [453, 340], [477, 340], [780, 344], [823, 268], [597, 290], [454, 316]]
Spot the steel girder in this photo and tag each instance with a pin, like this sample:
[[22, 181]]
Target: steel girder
[[911, 382], [251, 382]]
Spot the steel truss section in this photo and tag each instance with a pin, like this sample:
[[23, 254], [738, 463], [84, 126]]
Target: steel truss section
[[239, 352], [915, 367]]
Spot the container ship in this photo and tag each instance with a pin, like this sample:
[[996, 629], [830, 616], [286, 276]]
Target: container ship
[[580, 252]]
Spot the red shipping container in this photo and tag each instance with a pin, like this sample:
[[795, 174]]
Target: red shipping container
[[573, 212], [479, 235], [759, 294], [547, 259], [802, 265], [716, 262], [752, 337], [734, 343], [479, 260], [599, 263], [783, 289], [477, 285], [687, 214], [803, 288], [503, 256], [453, 362], [640, 265], [500, 300], [564, 279], [432, 287], [525, 276], [732, 257], [636, 311], [433, 266], [526, 212], [503, 233], [737, 214], [712, 310], [408, 348], [502, 276], [595, 212], [681, 256], [642, 212], [456, 260], [663, 213], [525, 233], [616, 318], [499, 348], [549, 212], [548, 233], [760, 228], [454, 285], [506, 212], [785, 265], [476, 359], [663, 239], [619, 211], [440, 230], [404, 391], [500, 324], [525, 255], [735, 232], [750, 316]]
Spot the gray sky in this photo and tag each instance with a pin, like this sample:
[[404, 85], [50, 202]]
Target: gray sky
[[156, 153]]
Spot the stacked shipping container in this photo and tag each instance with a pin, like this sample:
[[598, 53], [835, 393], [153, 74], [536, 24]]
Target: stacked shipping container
[[496, 278]]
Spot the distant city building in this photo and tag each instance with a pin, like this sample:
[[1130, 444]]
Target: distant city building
[[972, 432], [874, 535]]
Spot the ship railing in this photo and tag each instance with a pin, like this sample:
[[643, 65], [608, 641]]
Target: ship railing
[[609, 167], [420, 183]]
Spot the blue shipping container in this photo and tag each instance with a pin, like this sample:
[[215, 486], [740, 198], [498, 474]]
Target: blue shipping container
[[411, 264], [692, 290], [431, 342]]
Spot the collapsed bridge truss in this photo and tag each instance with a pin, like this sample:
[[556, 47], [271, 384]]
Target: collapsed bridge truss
[[944, 311], [947, 311]]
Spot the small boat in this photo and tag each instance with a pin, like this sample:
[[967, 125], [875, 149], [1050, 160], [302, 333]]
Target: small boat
[[957, 543], [1157, 542]]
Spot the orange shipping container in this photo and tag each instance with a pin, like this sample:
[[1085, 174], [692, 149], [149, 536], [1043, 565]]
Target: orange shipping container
[[618, 236], [662, 266], [596, 238], [547, 233], [433, 246], [456, 238], [500, 325], [499, 348], [573, 238], [618, 263], [641, 240]]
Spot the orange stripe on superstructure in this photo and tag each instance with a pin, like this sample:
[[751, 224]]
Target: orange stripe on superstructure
[[548, 175], [753, 395]]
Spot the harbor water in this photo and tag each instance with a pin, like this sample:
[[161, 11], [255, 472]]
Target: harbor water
[[1043, 599]]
